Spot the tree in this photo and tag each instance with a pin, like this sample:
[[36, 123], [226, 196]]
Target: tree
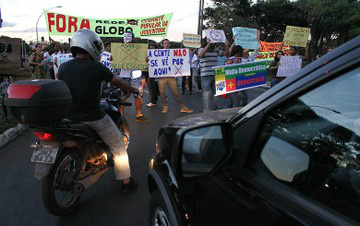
[[332, 22]]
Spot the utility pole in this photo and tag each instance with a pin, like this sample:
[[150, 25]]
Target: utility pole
[[201, 17]]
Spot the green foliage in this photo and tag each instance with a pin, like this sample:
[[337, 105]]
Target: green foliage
[[332, 22]]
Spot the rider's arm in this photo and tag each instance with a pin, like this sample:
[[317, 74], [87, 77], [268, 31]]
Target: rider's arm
[[122, 84]]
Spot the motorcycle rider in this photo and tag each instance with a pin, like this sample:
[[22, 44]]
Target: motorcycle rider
[[84, 75]]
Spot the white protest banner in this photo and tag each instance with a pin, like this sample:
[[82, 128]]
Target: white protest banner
[[215, 36], [289, 65], [191, 40], [246, 37], [168, 63], [64, 58], [106, 61]]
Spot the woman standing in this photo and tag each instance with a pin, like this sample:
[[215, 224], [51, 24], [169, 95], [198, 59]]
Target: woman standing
[[36, 60], [274, 66]]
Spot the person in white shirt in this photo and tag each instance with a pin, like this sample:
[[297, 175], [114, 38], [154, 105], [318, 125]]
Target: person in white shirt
[[58, 50]]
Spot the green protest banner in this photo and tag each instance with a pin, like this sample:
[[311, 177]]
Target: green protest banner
[[129, 55], [61, 24], [296, 36]]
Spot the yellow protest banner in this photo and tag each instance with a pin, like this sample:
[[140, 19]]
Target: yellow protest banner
[[191, 40], [129, 55], [296, 36]]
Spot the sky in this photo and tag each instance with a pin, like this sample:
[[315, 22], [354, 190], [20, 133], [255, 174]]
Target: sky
[[20, 16]]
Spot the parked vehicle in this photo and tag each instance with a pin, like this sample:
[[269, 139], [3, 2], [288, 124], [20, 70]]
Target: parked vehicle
[[290, 157], [69, 156]]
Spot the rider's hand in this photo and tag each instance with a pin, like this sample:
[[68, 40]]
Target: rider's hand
[[135, 91]]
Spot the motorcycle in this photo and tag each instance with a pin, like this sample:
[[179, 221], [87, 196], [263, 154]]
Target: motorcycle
[[70, 157]]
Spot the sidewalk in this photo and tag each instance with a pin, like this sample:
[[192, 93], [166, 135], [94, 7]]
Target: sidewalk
[[11, 134]]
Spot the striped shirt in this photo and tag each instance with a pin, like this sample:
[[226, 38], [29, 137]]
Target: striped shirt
[[207, 62]]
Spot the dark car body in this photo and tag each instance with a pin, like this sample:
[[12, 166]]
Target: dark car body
[[250, 184]]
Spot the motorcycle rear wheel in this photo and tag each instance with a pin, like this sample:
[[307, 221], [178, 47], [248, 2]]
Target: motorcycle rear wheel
[[57, 187]]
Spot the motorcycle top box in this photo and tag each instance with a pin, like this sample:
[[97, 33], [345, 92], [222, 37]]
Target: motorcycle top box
[[38, 102]]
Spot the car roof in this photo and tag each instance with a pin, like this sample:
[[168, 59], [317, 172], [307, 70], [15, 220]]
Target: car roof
[[303, 74]]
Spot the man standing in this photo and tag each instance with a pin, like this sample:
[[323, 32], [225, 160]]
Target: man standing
[[136, 83], [171, 82], [208, 59], [58, 50]]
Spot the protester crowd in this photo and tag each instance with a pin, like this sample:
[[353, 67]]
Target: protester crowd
[[46, 61]]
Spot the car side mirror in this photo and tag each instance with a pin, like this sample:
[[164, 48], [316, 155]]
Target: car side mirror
[[204, 148]]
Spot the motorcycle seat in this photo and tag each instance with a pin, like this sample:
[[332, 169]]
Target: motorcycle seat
[[82, 128]]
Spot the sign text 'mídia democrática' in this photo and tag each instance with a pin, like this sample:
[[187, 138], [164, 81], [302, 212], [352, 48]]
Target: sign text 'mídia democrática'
[[236, 77]]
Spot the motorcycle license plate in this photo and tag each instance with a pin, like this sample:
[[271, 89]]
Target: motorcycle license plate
[[44, 154]]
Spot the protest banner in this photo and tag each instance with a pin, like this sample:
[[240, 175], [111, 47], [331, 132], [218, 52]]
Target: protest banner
[[236, 77], [168, 63], [61, 24], [216, 36], [191, 40], [296, 36], [129, 55], [269, 56], [106, 61], [289, 65], [246, 37]]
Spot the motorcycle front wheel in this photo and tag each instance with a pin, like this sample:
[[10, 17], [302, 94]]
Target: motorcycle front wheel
[[57, 187]]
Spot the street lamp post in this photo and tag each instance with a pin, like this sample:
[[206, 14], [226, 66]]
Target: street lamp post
[[37, 36]]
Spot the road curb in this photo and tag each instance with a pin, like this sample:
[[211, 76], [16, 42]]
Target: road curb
[[11, 134]]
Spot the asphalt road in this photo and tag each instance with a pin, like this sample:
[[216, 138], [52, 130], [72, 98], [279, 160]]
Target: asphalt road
[[101, 204]]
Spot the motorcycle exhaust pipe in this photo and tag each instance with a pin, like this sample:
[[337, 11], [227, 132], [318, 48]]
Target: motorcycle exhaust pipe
[[80, 186]]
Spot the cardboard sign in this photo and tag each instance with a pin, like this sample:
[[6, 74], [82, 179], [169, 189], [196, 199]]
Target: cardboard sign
[[129, 55], [236, 77], [61, 24], [191, 40], [296, 36], [216, 36], [289, 65], [168, 63], [246, 37]]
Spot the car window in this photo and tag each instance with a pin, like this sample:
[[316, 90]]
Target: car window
[[312, 144]]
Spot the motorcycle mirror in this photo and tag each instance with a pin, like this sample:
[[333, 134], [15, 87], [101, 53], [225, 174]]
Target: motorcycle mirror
[[136, 74], [106, 91]]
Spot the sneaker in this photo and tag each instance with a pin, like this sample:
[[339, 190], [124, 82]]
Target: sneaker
[[128, 188], [185, 110], [165, 109], [151, 105], [142, 119]]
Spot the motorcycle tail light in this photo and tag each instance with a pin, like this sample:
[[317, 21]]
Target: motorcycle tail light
[[45, 136]]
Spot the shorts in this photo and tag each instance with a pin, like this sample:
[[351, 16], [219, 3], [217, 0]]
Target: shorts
[[136, 83]]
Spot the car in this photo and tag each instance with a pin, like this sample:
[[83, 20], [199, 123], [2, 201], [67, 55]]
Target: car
[[290, 157]]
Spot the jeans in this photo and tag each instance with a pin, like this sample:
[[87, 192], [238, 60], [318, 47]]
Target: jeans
[[244, 97], [189, 78], [171, 82], [208, 92], [112, 137], [152, 86], [233, 100]]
